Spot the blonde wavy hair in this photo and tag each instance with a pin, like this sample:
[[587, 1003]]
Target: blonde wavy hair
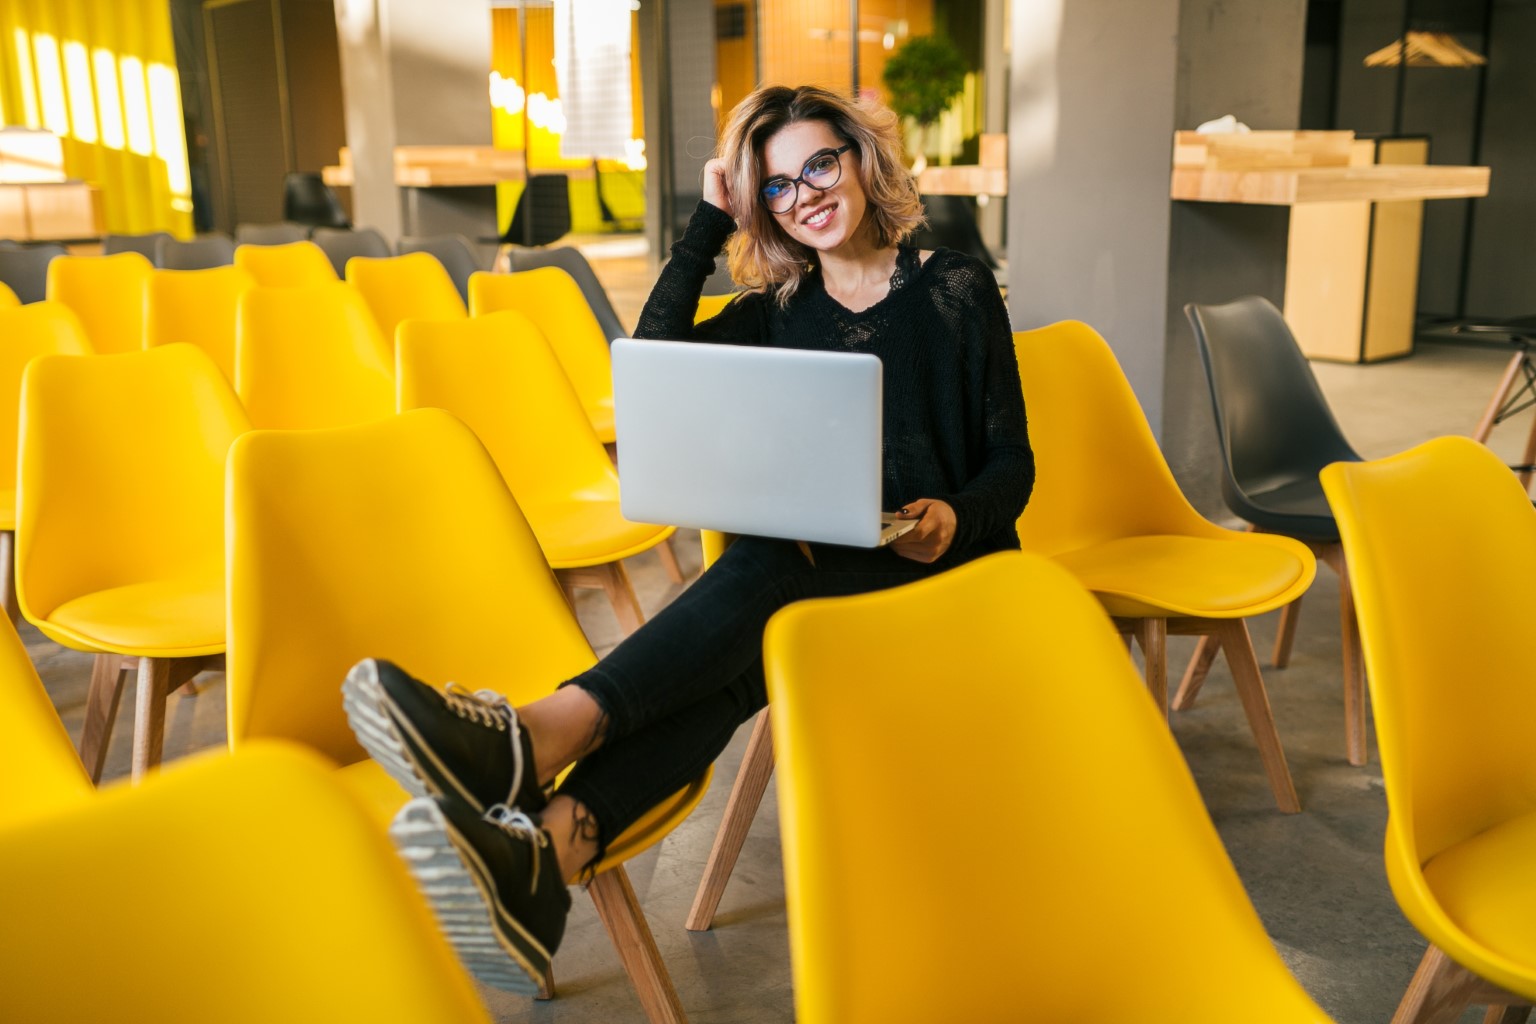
[[762, 255]]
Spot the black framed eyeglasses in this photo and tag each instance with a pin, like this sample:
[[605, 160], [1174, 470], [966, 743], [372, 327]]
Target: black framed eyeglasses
[[821, 172]]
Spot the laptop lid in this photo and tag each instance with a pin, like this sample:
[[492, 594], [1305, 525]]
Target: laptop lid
[[765, 441]]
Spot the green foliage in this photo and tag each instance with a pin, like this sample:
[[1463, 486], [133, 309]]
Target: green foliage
[[924, 75]]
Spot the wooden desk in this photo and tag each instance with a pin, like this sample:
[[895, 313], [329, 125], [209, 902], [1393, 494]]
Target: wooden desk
[[452, 167], [1355, 213], [50, 211]]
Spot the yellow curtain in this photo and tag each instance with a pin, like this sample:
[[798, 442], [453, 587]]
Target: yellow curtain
[[101, 74]]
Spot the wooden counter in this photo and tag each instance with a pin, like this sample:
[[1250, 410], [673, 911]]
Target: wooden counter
[[452, 167]]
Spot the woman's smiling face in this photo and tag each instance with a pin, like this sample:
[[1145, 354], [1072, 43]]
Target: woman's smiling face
[[820, 220]]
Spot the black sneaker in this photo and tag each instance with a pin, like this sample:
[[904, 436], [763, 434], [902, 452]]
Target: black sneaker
[[493, 882], [447, 742]]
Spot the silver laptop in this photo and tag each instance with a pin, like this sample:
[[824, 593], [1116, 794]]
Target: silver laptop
[[765, 441]]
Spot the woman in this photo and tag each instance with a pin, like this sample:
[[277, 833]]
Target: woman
[[813, 188]]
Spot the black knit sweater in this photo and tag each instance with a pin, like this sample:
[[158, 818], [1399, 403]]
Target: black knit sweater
[[954, 425]]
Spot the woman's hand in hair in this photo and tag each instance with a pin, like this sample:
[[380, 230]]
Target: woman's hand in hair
[[932, 535], [717, 191]]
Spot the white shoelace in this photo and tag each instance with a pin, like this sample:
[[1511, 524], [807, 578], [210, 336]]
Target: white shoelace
[[517, 824]]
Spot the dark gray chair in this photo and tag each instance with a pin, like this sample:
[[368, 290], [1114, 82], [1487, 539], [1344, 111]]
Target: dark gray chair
[[1276, 433], [455, 252], [201, 253], [952, 225], [146, 245], [341, 244], [25, 270], [574, 263], [280, 233], [307, 199], [543, 212]]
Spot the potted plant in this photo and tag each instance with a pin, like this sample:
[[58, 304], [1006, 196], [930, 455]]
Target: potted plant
[[924, 76]]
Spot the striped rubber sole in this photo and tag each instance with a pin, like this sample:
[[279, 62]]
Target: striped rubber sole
[[463, 900], [363, 698]]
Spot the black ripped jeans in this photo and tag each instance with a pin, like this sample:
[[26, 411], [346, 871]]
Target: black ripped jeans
[[675, 691]]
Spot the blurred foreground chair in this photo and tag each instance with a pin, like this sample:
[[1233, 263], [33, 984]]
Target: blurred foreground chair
[[307, 199], [292, 265], [570, 259], [120, 506], [414, 286], [1276, 433], [146, 245], [107, 293], [25, 270], [8, 299], [1042, 706], [455, 252], [1442, 544], [342, 244], [197, 307], [497, 374], [26, 332], [201, 253], [277, 233], [40, 773], [311, 914], [1107, 508], [311, 357], [398, 539]]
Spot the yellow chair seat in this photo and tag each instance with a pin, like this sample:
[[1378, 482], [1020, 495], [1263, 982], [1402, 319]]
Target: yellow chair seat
[[1158, 576], [580, 533], [180, 618], [1487, 886], [600, 412]]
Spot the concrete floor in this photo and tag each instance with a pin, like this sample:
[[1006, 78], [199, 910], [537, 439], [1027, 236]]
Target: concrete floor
[[1316, 878]]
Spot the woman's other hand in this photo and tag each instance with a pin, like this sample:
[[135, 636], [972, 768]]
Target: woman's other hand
[[717, 191], [931, 537]]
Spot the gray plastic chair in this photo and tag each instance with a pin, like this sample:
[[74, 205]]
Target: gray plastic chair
[[341, 244], [146, 245], [574, 263], [280, 233], [455, 252], [26, 270], [201, 253]]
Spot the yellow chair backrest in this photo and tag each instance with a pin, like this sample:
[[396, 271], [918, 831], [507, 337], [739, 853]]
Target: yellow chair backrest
[[413, 286], [311, 357], [291, 265], [197, 307], [552, 299], [122, 471], [277, 868], [1105, 891], [26, 332], [710, 305], [107, 293], [8, 298], [39, 769], [1100, 475], [497, 374], [395, 539], [1441, 543]]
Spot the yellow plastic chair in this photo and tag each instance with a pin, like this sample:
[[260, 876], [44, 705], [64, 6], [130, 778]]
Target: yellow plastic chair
[[413, 286], [292, 265], [497, 374], [1441, 540], [399, 540], [8, 298], [294, 906], [552, 299], [311, 357], [39, 769], [1115, 899], [1107, 508], [197, 307], [711, 305], [26, 332], [120, 549], [107, 293]]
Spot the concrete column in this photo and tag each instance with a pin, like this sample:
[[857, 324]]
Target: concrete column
[[414, 74]]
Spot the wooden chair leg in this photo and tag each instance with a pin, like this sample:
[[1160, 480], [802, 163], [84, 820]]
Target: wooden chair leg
[[1195, 672], [8, 576], [1506, 384], [1152, 635], [615, 582], [1507, 1015], [1529, 458], [1438, 993], [101, 703], [1354, 669], [1285, 636], [620, 912], [149, 714], [669, 561], [746, 795], [1261, 720]]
